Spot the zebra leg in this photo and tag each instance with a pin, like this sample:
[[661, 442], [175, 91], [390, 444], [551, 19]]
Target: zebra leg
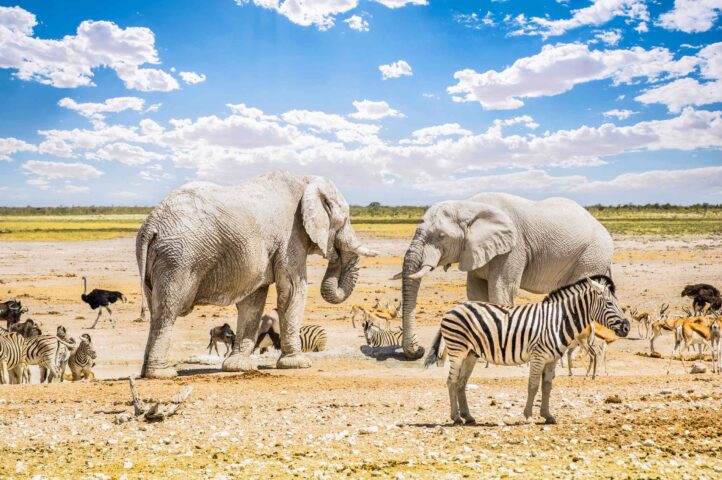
[[100, 311], [250, 310], [4, 374], [570, 351], [547, 376], [467, 366], [453, 383], [536, 368]]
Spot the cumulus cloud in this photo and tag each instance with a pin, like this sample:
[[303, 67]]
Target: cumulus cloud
[[475, 21], [598, 13], [192, 78], [356, 22], [424, 136], [96, 111], [51, 170], [124, 153], [395, 70], [707, 179], [70, 61], [343, 129], [370, 110], [609, 37], [10, 145], [620, 114], [558, 68], [319, 13], [691, 16]]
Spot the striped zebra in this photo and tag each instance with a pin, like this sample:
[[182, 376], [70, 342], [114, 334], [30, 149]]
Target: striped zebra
[[313, 338], [82, 359], [12, 357], [538, 333], [43, 350], [377, 337]]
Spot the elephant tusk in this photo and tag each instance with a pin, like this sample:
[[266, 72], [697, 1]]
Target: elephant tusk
[[366, 252], [397, 276], [423, 271]]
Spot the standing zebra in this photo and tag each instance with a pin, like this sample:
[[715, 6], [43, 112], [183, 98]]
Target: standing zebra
[[538, 333], [12, 357], [82, 359], [376, 337], [43, 350]]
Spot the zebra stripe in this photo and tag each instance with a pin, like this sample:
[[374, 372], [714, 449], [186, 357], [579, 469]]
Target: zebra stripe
[[12, 355], [376, 337], [538, 333], [313, 338], [43, 351]]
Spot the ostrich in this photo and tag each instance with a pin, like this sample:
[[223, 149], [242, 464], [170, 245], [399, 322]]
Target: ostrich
[[703, 294], [100, 299]]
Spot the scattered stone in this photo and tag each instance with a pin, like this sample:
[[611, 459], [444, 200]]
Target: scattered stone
[[613, 399], [648, 442], [698, 367]]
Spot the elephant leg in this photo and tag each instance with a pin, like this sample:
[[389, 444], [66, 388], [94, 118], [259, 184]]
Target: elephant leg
[[504, 280], [477, 289], [156, 362], [250, 310], [547, 377], [291, 302]]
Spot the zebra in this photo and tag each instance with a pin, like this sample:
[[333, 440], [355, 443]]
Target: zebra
[[538, 333], [313, 338], [376, 337], [43, 350], [82, 359], [12, 357]]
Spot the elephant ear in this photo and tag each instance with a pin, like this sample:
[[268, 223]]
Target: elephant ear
[[490, 233], [316, 215]]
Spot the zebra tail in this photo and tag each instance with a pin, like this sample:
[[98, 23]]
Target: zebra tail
[[433, 355]]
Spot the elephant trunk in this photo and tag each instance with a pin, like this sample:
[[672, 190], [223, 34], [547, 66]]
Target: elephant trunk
[[409, 292], [340, 278]]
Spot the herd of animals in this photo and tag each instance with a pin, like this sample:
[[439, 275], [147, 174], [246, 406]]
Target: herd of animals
[[221, 245]]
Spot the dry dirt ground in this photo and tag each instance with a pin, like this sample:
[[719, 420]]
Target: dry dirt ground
[[352, 416]]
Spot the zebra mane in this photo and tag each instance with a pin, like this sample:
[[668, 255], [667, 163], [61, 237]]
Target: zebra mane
[[603, 279]]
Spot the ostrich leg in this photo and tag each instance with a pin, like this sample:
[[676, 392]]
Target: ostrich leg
[[112, 320], [100, 311]]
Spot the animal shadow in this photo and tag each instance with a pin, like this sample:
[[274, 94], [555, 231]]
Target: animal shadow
[[381, 354]]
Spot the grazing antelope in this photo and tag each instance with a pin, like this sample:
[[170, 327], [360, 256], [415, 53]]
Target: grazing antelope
[[382, 313], [670, 325], [363, 310], [223, 334], [538, 333], [690, 333]]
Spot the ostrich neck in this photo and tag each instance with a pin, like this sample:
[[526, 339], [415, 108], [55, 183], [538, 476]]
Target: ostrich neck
[[85, 287]]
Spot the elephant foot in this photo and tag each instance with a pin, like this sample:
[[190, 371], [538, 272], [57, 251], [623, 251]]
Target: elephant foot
[[167, 372], [237, 362], [293, 360], [414, 352]]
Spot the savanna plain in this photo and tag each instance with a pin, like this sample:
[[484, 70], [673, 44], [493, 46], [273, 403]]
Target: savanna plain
[[353, 415]]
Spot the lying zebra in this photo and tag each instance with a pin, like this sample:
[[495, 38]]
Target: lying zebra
[[377, 337], [313, 338], [538, 333]]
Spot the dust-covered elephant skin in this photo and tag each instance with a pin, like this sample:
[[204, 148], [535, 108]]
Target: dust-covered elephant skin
[[504, 243], [210, 244]]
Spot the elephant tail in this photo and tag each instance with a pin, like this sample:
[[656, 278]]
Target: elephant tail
[[145, 238], [433, 355]]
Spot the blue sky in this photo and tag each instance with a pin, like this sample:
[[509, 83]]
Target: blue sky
[[397, 101]]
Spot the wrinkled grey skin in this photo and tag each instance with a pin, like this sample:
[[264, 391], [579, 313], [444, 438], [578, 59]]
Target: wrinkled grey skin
[[504, 243], [208, 244]]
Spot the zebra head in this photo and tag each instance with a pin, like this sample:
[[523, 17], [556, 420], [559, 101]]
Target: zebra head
[[87, 344], [604, 307]]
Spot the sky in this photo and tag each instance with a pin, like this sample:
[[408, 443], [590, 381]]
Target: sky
[[403, 102]]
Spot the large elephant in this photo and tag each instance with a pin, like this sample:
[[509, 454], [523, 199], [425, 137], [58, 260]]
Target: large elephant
[[504, 243], [208, 244]]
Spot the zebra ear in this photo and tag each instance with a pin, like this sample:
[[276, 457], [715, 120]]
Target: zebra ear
[[596, 286]]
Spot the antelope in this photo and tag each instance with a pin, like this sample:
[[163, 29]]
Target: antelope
[[671, 325], [643, 320], [691, 332], [363, 310], [386, 314], [587, 340], [715, 344]]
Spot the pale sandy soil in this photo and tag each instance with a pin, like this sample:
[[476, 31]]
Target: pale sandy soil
[[351, 416]]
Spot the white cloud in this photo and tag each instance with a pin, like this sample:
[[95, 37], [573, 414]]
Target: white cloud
[[154, 173], [558, 68], [424, 136], [598, 13], [78, 171], [10, 145], [250, 112], [319, 13], [691, 16], [355, 22], [192, 78], [706, 179], [370, 110], [343, 129], [475, 21], [609, 37], [95, 111], [524, 181], [69, 62], [620, 114], [124, 153], [395, 70], [683, 92]]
